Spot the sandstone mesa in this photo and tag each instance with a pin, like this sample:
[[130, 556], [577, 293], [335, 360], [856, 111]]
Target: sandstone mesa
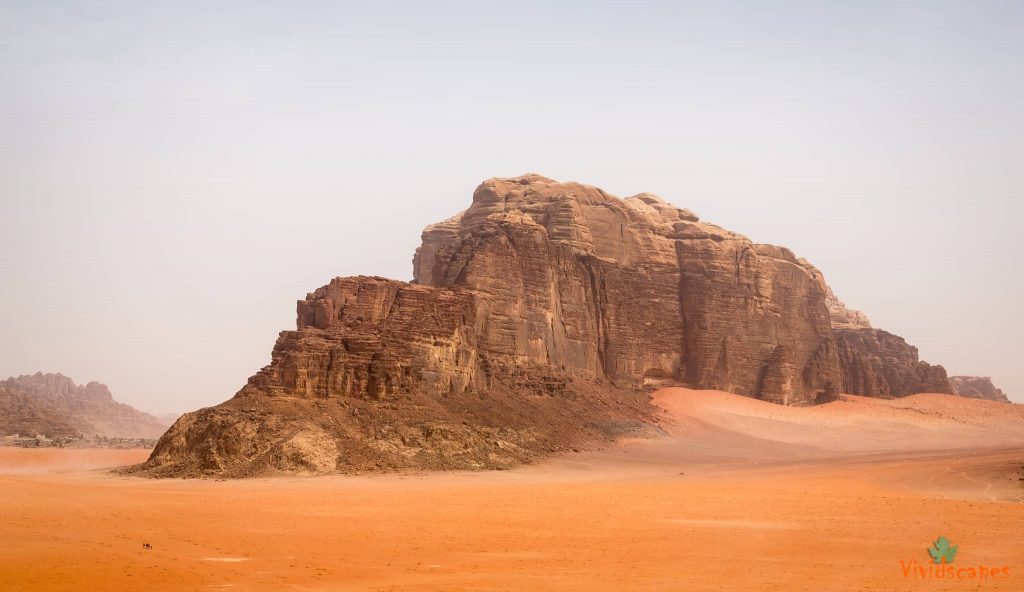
[[538, 319]]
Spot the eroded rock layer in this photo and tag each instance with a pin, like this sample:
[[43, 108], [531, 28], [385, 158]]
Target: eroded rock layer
[[572, 281], [535, 320]]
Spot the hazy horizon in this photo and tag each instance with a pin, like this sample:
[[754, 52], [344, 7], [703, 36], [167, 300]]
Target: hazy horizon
[[177, 176]]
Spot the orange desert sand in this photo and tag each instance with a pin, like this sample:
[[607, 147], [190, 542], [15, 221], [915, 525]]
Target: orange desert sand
[[736, 495]]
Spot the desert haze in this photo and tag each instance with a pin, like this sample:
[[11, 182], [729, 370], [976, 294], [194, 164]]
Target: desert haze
[[576, 391], [734, 494], [568, 296]]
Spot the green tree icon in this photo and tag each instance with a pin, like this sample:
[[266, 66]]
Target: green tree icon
[[942, 552]]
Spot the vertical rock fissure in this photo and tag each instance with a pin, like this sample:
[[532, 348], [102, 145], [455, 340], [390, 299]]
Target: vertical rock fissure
[[599, 318]]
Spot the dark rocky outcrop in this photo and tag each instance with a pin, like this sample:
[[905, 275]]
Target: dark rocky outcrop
[[535, 321]]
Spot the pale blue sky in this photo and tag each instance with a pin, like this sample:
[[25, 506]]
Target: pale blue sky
[[175, 176]]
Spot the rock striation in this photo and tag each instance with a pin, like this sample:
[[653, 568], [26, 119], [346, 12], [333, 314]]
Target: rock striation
[[573, 282], [52, 405], [977, 387], [536, 319], [876, 363]]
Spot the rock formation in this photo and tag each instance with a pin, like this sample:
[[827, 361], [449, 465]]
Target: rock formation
[[842, 317], [25, 414], [876, 363], [53, 405], [534, 322], [879, 364], [574, 282], [977, 387]]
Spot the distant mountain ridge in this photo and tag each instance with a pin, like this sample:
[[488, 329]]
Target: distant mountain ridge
[[977, 387], [53, 405]]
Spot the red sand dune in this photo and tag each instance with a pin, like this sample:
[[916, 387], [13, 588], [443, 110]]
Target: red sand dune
[[745, 427], [737, 495]]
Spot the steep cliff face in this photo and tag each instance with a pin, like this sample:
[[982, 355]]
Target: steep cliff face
[[879, 364], [572, 281], [876, 363], [53, 405], [381, 374], [977, 387], [535, 322]]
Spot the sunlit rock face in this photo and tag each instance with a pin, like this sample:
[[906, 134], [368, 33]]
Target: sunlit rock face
[[574, 282], [537, 319]]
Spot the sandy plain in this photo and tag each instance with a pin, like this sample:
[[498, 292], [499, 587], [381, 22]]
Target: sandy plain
[[735, 495]]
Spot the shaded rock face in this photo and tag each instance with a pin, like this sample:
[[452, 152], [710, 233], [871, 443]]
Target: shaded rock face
[[535, 322], [977, 387], [876, 363], [879, 364], [381, 374], [53, 405]]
